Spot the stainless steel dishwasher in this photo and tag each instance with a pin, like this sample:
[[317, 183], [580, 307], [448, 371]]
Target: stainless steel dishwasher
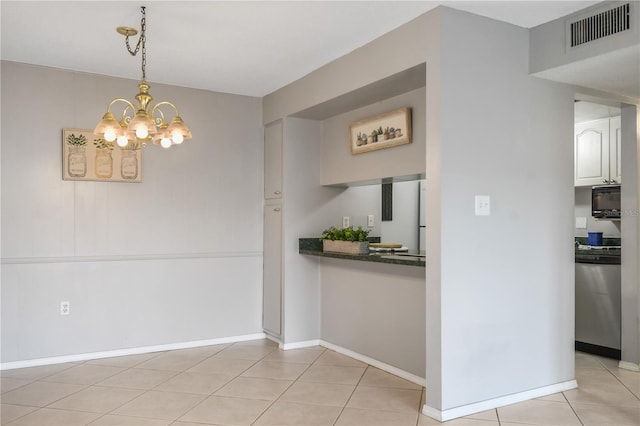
[[598, 304]]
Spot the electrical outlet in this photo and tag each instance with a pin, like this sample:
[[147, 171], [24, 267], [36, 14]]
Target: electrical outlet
[[370, 222], [345, 221], [65, 308]]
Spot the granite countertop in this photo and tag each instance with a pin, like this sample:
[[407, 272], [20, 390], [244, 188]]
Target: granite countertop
[[609, 252], [313, 247], [609, 247]]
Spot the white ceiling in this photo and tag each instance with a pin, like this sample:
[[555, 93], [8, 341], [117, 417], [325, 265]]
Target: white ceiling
[[240, 47], [587, 111]]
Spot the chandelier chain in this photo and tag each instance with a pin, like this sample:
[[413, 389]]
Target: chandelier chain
[[141, 42]]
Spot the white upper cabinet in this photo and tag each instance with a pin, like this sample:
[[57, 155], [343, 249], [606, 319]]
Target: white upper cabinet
[[273, 160], [615, 148], [597, 152]]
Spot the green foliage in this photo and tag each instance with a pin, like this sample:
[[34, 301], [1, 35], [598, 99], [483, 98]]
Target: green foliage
[[74, 140], [103, 144], [345, 234]]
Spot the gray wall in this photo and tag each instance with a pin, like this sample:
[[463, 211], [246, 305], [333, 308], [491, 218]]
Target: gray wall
[[630, 117], [308, 209], [403, 48], [375, 310], [504, 134], [491, 130], [547, 40], [177, 258], [303, 199], [340, 166]]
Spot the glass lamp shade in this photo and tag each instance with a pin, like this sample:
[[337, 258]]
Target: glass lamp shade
[[161, 133], [141, 125], [109, 128], [178, 131]]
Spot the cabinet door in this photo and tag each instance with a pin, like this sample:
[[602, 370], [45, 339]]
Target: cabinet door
[[615, 148], [272, 269], [591, 145], [273, 160]]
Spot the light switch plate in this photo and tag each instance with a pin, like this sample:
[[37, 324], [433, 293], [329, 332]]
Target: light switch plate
[[345, 221], [581, 223], [370, 222], [483, 205]]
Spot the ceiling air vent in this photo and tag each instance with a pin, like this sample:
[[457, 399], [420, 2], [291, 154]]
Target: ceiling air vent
[[600, 25]]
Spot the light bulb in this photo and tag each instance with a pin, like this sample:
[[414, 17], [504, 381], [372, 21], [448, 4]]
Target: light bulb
[[165, 142], [142, 132], [177, 138], [123, 141], [110, 136]]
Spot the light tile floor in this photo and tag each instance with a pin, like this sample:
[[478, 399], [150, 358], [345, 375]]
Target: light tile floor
[[255, 383]]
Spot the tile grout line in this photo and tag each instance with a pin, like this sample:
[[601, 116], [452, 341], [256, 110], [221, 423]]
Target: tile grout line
[[146, 391], [53, 402], [423, 396], [96, 384], [207, 396], [572, 409], [125, 369], [620, 381], [350, 396], [288, 387], [278, 399]]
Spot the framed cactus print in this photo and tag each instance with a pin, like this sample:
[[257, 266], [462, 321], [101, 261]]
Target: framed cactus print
[[381, 131], [86, 156]]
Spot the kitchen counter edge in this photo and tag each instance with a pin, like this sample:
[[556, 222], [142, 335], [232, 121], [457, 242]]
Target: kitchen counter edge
[[313, 247]]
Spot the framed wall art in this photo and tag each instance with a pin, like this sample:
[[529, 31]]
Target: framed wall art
[[381, 131], [86, 156]]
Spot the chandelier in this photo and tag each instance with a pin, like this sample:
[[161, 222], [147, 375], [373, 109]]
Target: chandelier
[[144, 123]]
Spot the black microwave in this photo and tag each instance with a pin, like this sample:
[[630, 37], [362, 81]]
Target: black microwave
[[605, 202]]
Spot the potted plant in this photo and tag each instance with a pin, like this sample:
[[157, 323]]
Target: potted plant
[[345, 240]]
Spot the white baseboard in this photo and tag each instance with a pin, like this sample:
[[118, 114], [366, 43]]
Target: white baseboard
[[355, 355], [374, 362], [298, 345], [625, 365], [273, 338], [131, 351], [465, 410]]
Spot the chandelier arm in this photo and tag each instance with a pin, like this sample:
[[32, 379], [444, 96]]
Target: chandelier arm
[[175, 108], [129, 104], [157, 120]]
